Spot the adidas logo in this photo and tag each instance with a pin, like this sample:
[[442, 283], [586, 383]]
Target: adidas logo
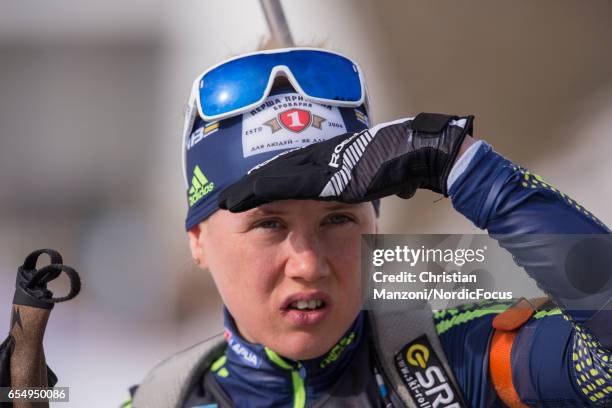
[[200, 186]]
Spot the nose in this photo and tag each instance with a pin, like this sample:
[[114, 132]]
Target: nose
[[306, 259]]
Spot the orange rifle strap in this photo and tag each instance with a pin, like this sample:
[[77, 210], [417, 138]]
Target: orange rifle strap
[[506, 325], [501, 369]]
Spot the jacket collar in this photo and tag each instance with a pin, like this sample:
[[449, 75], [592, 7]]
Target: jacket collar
[[255, 370]]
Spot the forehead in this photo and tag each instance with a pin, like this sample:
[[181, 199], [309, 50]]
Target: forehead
[[299, 206], [293, 208]]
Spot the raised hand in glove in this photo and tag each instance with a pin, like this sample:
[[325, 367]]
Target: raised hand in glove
[[391, 158]]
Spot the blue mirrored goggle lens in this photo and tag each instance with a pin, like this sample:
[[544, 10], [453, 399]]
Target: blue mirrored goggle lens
[[234, 85], [242, 82], [326, 76]]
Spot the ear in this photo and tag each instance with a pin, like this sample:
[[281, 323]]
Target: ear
[[196, 246]]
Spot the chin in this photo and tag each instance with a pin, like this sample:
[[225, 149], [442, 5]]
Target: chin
[[304, 345], [312, 342]]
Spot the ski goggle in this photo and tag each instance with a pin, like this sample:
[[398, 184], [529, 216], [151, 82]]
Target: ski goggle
[[240, 84]]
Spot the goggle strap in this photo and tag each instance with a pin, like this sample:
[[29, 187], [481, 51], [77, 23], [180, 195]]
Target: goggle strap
[[190, 116]]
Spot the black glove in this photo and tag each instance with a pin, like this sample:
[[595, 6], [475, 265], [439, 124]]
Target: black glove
[[391, 158]]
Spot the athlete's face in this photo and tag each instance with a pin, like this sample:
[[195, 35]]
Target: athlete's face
[[288, 271]]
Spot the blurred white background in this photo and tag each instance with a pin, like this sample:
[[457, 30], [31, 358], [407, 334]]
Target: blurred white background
[[91, 102]]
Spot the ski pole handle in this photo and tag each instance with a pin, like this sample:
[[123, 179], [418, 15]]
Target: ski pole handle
[[28, 365]]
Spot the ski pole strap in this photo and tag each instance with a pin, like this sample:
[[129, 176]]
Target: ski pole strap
[[31, 284]]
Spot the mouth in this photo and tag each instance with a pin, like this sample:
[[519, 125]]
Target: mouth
[[306, 308], [306, 305]]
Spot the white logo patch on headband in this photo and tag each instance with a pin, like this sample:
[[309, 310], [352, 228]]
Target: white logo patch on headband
[[287, 121]]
